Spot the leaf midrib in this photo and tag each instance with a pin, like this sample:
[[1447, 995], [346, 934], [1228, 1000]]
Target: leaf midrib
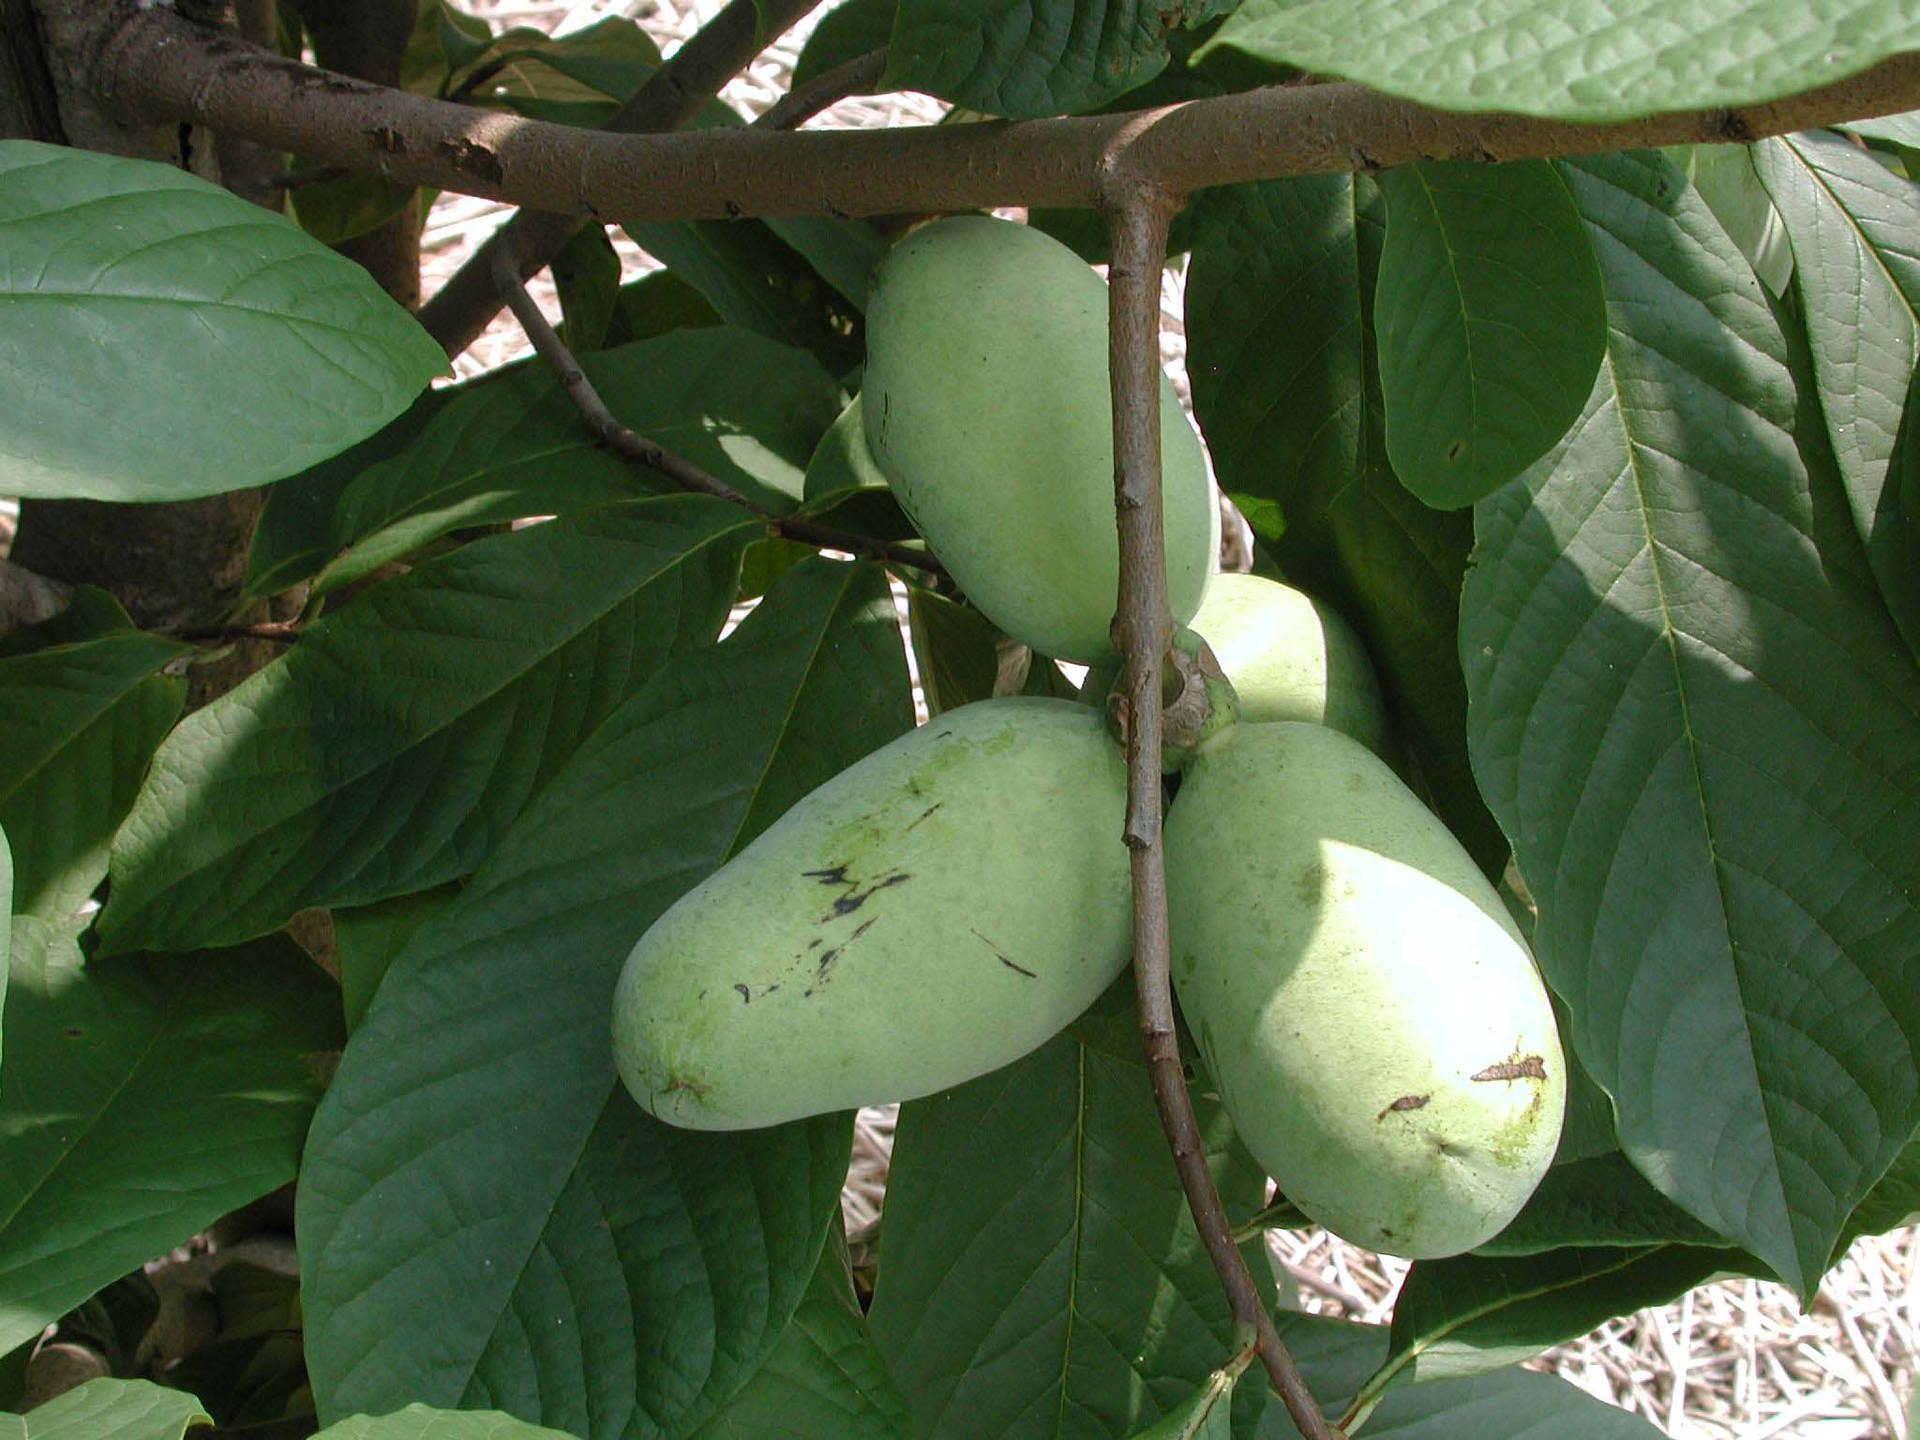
[[1079, 1232]]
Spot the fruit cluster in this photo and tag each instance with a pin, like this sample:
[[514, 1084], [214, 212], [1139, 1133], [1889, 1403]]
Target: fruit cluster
[[1364, 1003]]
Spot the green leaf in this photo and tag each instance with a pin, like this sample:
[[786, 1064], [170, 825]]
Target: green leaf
[[1575, 59], [1693, 716], [149, 316], [144, 1099], [747, 411], [1041, 1275], [393, 746], [842, 464], [423, 1422], [1894, 1201], [366, 939], [569, 78], [824, 1380], [1491, 323], [564, 1256], [846, 32], [1473, 1314], [1853, 230], [1726, 179], [107, 1409], [843, 252], [1023, 60], [1902, 129], [1280, 353], [78, 723], [655, 304], [6, 932], [1206, 1416], [1506, 1404], [347, 205], [1599, 1200], [955, 649], [293, 537], [755, 280], [586, 273]]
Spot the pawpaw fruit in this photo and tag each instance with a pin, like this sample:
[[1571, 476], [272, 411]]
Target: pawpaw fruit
[[986, 404], [1361, 996], [1290, 657], [933, 912]]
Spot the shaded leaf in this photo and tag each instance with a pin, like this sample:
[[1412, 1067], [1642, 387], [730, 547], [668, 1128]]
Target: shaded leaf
[[1473, 1314], [106, 1409], [565, 1257], [846, 31], [1023, 60], [1853, 227], [423, 1422], [1600, 1200], [1207, 1416], [1693, 716], [1575, 59], [1280, 354], [293, 537], [1901, 129], [149, 315], [1040, 1273], [6, 934], [1725, 177], [79, 721], [144, 1099], [655, 304], [955, 650], [586, 273], [746, 411], [366, 938], [393, 746], [1895, 1200], [824, 1380], [1491, 322], [345, 205]]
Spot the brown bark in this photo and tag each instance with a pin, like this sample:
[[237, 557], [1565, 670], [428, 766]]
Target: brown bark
[[160, 66], [29, 109]]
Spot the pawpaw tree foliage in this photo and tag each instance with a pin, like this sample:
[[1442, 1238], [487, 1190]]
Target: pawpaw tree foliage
[[1608, 457]]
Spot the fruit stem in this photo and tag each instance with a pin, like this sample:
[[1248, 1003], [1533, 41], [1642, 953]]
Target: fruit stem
[[1138, 214]]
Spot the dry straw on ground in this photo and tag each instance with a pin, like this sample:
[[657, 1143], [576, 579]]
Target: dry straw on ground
[[1730, 1361]]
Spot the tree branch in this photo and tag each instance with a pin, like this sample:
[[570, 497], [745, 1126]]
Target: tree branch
[[630, 445], [1137, 216], [857, 76], [683, 86], [159, 67]]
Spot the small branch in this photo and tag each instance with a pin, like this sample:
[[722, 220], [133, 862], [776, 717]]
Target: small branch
[[1137, 216], [606, 428], [281, 632], [857, 76], [679, 90], [161, 68]]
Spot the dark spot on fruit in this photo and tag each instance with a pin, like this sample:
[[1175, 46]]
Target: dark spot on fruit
[[847, 904], [1405, 1102], [1312, 878], [1453, 450], [1002, 955], [926, 812], [73, 1032], [816, 942], [746, 995], [1530, 1068], [836, 876]]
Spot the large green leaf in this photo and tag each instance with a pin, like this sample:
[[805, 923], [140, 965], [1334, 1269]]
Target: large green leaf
[[1336, 1357], [1007, 57], [401, 736], [1693, 716], [824, 1380], [1576, 59], [1895, 1201], [1472, 1314], [162, 338], [1855, 229], [107, 1409], [1280, 350], [1040, 1274], [144, 1099], [1593, 1201], [424, 1422], [79, 721], [485, 1217], [746, 410], [1206, 1415], [6, 934], [1491, 323]]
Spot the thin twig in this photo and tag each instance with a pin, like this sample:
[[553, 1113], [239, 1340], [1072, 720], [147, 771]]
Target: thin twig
[[282, 632], [629, 444], [679, 90], [857, 76], [1137, 217]]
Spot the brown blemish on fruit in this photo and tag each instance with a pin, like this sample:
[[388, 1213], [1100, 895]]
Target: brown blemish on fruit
[[1002, 955], [746, 995], [1405, 1102], [851, 902], [835, 876], [825, 963], [1531, 1067], [926, 812]]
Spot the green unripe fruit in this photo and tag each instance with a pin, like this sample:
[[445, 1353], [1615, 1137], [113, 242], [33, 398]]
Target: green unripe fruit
[[986, 403], [931, 913], [1290, 657], [1363, 1000]]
